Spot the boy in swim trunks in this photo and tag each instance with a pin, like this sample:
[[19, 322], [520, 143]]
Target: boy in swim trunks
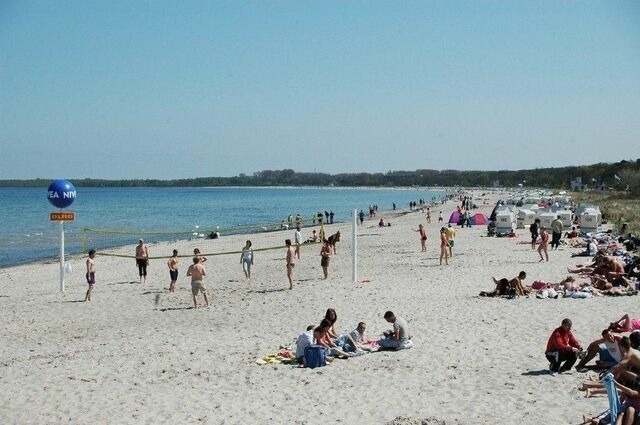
[[290, 264], [197, 273], [91, 273]]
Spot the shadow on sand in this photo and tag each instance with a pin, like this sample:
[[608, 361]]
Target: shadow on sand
[[174, 309]]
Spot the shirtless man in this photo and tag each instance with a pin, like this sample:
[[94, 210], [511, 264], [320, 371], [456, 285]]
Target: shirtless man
[[202, 258], [197, 273], [142, 260], [290, 263], [627, 368], [173, 270], [507, 287], [91, 274], [607, 347]]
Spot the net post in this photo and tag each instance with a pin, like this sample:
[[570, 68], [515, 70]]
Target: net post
[[354, 247], [62, 256]]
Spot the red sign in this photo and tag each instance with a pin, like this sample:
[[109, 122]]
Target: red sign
[[62, 216]]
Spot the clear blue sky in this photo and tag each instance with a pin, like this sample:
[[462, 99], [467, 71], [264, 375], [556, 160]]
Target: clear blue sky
[[173, 89]]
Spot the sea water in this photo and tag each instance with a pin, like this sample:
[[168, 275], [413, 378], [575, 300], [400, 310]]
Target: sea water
[[28, 235]]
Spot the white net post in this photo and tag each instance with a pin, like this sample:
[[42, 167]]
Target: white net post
[[354, 247]]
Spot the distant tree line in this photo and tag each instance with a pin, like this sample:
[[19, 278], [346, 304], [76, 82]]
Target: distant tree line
[[619, 176]]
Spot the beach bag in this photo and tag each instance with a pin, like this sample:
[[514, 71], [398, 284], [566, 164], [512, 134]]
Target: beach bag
[[538, 284], [315, 356]]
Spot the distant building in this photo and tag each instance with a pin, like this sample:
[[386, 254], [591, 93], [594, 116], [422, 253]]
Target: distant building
[[576, 184]]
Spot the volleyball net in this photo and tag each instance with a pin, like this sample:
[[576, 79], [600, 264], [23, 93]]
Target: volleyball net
[[210, 241]]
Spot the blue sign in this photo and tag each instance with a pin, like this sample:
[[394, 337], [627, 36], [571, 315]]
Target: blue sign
[[61, 193]]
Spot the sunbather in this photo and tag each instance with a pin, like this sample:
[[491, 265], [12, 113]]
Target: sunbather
[[508, 287], [607, 347], [625, 324]]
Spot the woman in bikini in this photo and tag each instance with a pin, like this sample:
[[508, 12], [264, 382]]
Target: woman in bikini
[[444, 246]]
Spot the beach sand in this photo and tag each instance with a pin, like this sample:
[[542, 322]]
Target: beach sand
[[137, 354]]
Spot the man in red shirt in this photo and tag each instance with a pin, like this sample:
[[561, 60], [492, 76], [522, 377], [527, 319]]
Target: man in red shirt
[[562, 347]]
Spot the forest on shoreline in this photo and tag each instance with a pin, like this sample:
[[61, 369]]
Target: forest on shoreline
[[623, 175]]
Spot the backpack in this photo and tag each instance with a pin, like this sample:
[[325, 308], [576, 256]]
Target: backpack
[[315, 356]]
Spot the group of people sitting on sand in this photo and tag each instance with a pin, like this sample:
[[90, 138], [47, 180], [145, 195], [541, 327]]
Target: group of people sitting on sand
[[605, 275], [354, 343], [618, 354]]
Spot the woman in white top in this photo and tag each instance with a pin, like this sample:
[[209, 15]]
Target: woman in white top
[[246, 259]]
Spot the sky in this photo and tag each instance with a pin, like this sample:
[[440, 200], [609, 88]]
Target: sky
[[127, 89]]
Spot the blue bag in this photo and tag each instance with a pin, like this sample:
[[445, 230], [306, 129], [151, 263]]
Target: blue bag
[[315, 356]]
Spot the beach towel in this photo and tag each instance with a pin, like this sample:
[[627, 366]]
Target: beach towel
[[612, 394], [284, 357]]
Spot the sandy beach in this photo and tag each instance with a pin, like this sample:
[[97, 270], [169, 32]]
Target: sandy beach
[[138, 354]]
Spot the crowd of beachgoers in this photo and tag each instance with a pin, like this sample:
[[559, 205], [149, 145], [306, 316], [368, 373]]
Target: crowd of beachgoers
[[420, 273]]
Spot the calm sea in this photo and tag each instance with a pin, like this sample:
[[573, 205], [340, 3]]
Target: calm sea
[[27, 234]]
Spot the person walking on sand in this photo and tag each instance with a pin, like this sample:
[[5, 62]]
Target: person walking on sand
[[444, 246], [290, 263], [246, 259], [142, 260], [534, 232], [451, 235], [440, 219], [91, 273], [173, 270], [197, 273], [297, 240], [544, 243], [428, 216], [325, 253], [423, 237]]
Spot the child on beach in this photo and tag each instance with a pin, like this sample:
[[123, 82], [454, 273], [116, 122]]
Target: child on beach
[[423, 237], [246, 259], [325, 253], [91, 274], [444, 246]]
